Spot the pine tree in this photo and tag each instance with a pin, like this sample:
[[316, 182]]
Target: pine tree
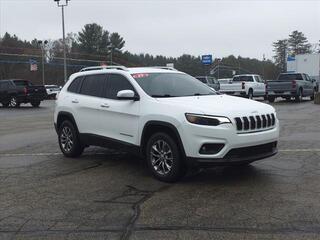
[[298, 43], [281, 49]]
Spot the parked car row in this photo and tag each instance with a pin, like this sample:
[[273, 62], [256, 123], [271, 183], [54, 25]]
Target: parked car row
[[287, 86]]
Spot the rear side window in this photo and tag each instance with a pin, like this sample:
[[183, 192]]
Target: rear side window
[[75, 85], [116, 83], [92, 85]]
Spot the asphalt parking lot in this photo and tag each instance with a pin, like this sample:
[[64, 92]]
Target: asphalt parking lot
[[110, 195]]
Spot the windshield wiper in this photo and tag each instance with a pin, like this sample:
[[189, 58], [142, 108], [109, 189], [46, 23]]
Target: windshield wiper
[[162, 96]]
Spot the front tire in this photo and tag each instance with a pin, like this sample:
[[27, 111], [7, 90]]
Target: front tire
[[69, 141], [35, 103], [271, 99], [164, 159]]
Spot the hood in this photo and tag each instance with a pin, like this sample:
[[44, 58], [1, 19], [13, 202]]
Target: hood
[[220, 105]]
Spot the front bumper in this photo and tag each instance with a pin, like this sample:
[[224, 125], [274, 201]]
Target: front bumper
[[238, 156], [195, 136]]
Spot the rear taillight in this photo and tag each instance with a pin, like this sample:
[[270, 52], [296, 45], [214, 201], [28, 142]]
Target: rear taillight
[[243, 85], [294, 84], [25, 90]]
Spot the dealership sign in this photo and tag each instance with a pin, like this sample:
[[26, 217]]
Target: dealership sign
[[206, 59]]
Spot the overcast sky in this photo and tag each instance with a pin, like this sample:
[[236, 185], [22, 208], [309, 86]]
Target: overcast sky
[[171, 27]]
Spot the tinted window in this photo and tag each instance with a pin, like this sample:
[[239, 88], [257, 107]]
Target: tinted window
[[74, 86], [22, 83], [116, 83], [171, 85], [290, 77], [92, 85]]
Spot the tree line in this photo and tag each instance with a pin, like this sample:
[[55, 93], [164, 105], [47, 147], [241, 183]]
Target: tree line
[[93, 45]]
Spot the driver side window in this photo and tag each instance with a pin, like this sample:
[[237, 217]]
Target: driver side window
[[116, 83]]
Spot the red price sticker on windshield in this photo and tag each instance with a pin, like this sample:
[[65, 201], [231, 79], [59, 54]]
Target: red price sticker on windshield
[[140, 75]]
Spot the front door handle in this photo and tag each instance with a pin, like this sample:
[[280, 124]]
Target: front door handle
[[104, 105], [75, 101]]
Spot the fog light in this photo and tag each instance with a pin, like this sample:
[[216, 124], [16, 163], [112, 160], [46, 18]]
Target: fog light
[[211, 148]]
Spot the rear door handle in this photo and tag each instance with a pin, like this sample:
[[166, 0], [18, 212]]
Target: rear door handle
[[104, 105], [75, 101]]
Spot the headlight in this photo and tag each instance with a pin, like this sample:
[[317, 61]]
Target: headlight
[[206, 119]]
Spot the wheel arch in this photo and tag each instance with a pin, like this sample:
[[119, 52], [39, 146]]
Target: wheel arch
[[154, 126], [62, 116]]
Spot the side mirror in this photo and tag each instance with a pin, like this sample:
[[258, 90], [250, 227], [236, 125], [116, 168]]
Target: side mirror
[[313, 80], [127, 95]]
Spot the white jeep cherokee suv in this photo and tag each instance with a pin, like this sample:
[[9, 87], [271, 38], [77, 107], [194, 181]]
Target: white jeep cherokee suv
[[170, 118]]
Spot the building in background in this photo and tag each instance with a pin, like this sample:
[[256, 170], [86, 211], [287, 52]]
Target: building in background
[[305, 63]]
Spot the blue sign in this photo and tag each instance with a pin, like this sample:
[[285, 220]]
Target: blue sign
[[291, 58], [206, 59]]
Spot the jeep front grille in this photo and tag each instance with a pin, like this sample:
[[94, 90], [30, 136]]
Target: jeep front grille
[[255, 123]]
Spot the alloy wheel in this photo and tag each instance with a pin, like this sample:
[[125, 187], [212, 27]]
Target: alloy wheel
[[161, 157], [66, 138]]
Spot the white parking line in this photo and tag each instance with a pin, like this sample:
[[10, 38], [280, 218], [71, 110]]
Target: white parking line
[[300, 150], [103, 153]]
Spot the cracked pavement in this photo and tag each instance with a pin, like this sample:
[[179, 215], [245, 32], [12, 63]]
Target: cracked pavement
[[110, 195]]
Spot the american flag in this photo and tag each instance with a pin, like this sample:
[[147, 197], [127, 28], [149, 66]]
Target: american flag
[[33, 65]]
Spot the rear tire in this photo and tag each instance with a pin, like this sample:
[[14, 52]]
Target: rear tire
[[164, 159], [298, 97], [271, 99], [69, 140], [5, 104], [250, 94], [312, 96], [35, 103], [14, 102]]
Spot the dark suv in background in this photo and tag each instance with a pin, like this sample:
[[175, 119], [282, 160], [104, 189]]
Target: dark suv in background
[[15, 92]]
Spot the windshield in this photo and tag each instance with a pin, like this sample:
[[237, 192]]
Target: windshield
[[290, 77], [171, 85]]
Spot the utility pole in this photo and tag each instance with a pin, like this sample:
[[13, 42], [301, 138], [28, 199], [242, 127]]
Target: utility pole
[[62, 4], [263, 59], [219, 60], [42, 45]]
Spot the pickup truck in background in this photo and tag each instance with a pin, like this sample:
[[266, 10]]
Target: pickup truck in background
[[291, 85], [210, 81], [247, 85], [15, 92], [52, 91]]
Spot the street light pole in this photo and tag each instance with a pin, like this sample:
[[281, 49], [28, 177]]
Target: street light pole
[[42, 44], [62, 5]]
